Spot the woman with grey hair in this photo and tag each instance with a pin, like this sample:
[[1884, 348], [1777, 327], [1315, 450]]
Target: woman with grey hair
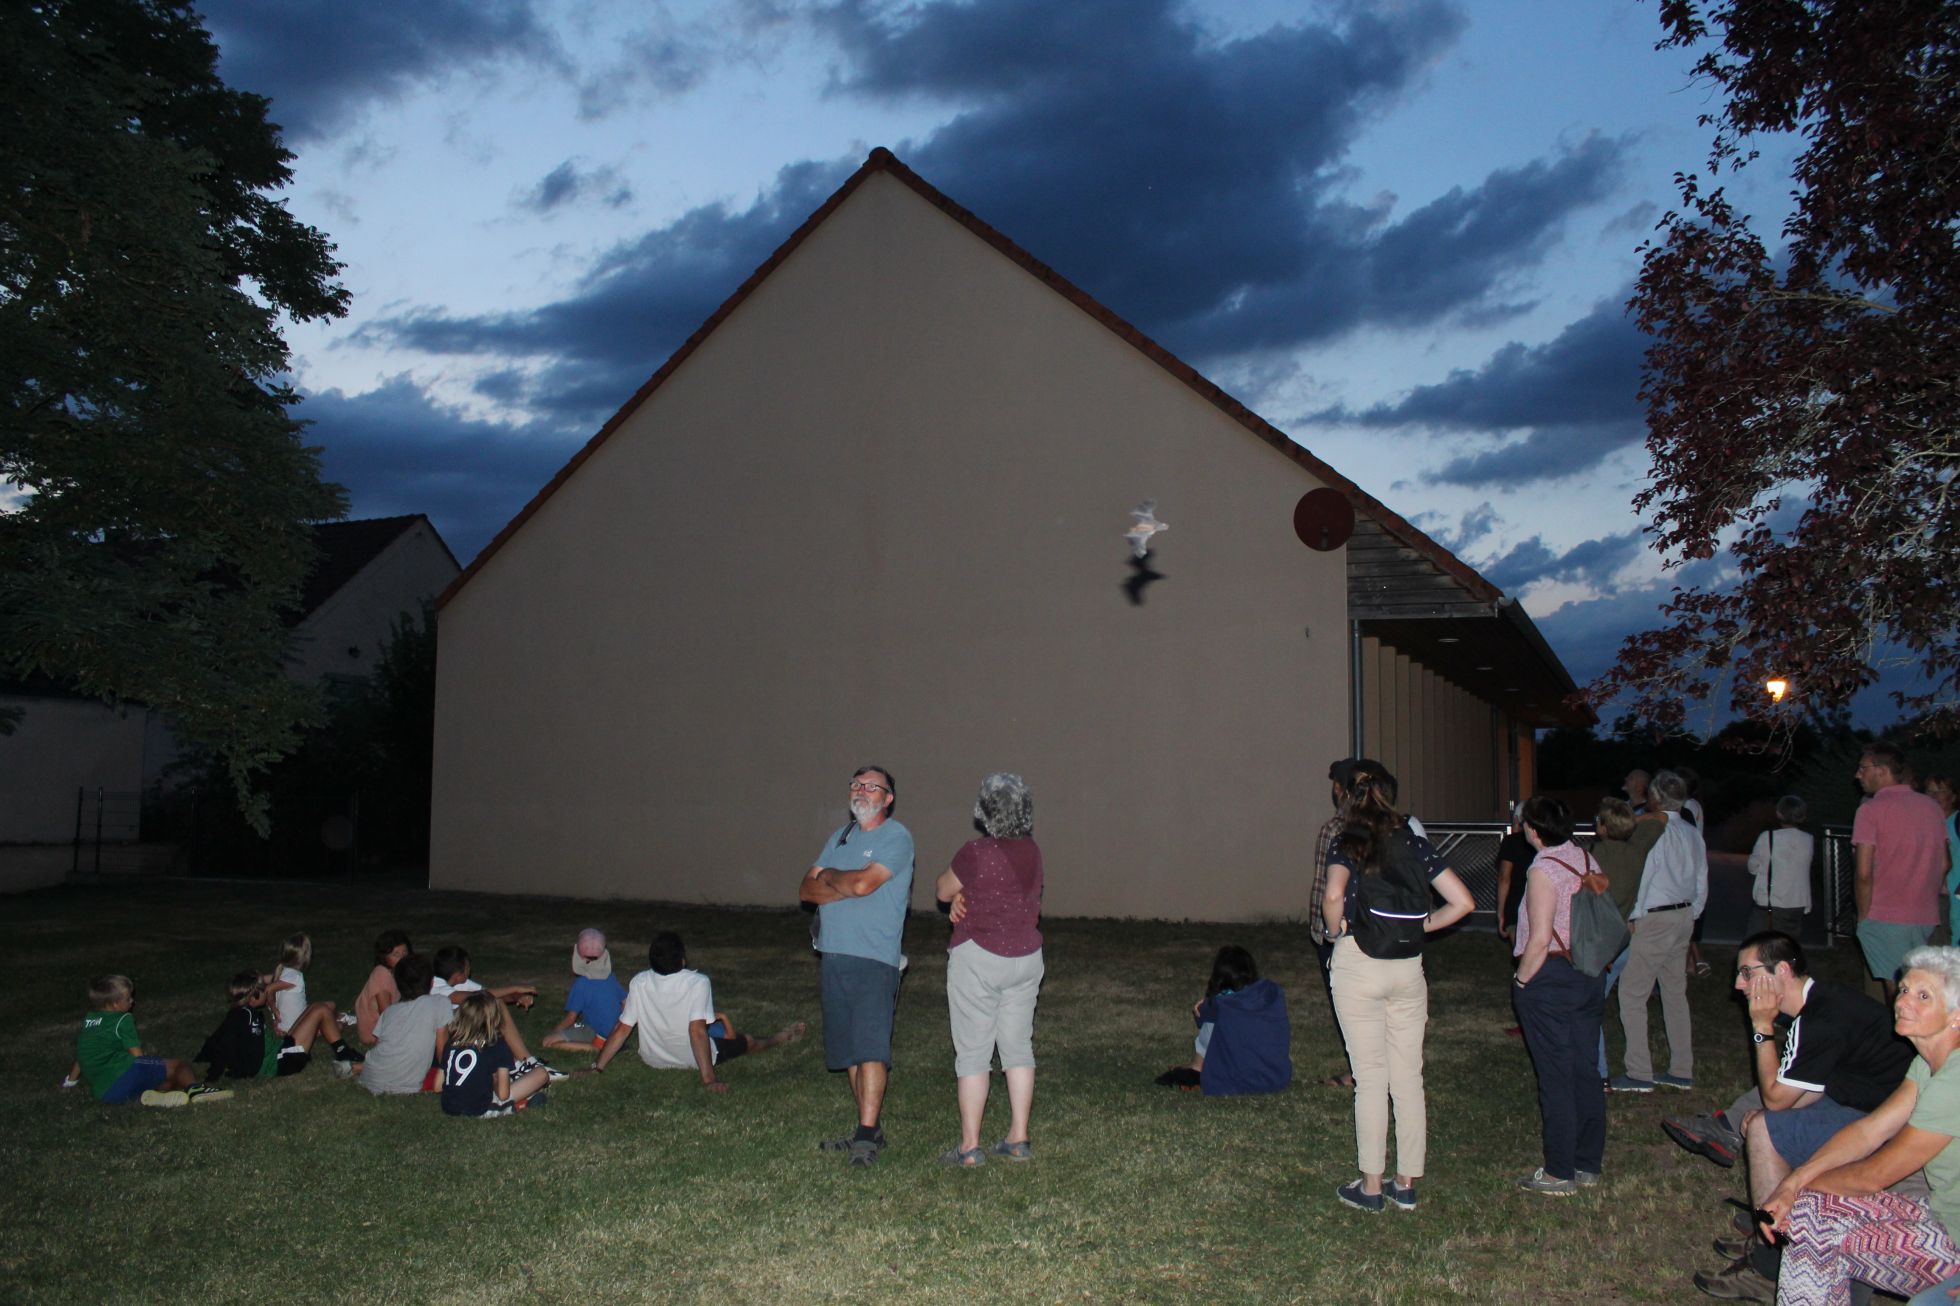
[[1841, 1222], [993, 964]]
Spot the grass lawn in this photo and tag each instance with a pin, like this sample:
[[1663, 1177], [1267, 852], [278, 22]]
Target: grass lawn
[[640, 1186]]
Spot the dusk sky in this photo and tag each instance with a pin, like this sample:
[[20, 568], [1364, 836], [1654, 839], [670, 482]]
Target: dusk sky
[[1403, 232]]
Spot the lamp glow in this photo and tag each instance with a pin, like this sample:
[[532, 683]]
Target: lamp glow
[[1777, 689]]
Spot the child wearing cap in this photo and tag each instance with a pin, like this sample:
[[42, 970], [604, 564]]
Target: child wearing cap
[[592, 1007]]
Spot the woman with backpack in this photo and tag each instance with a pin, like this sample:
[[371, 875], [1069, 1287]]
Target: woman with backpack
[[1559, 1005], [1380, 875]]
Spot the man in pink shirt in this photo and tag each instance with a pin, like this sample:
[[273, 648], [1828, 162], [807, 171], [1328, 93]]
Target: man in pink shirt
[[1899, 837]]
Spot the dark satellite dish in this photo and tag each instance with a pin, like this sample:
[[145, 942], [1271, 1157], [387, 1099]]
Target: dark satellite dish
[[1323, 519]]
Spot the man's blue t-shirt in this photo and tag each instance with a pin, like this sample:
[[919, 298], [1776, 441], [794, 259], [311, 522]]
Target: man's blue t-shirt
[[871, 926], [597, 1002]]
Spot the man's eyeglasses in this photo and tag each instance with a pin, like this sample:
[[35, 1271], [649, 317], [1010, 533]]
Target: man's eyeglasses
[[865, 787], [1744, 970]]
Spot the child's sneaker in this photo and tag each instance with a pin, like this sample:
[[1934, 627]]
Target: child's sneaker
[[344, 1053], [552, 1074], [342, 1069], [200, 1094], [538, 1098], [160, 1097], [1402, 1199]]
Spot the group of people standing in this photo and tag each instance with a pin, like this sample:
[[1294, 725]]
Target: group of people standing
[[860, 885]]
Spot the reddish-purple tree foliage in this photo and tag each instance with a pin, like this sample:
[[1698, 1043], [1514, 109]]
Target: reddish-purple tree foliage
[[1820, 382]]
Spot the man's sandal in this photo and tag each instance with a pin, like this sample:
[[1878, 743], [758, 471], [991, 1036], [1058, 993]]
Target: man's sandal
[[967, 1157]]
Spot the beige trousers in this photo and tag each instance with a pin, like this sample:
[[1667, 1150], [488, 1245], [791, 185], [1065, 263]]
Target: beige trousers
[[1658, 955], [1384, 1012]]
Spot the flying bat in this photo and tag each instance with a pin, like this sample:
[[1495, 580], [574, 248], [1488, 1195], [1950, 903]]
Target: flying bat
[[1146, 526]]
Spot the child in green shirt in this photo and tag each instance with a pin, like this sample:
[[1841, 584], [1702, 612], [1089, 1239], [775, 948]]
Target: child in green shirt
[[109, 1055]]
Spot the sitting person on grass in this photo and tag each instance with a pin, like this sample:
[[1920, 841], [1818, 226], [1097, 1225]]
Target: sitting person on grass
[[1244, 1038], [479, 1074], [674, 1010], [109, 1055], [286, 986], [453, 982], [592, 1007], [380, 993], [409, 1036], [246, 1046], [1840, 1223]]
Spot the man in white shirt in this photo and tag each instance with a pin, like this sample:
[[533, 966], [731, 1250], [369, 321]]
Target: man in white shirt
[[1673, 891]]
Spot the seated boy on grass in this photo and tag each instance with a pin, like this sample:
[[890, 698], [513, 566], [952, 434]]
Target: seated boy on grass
[[109, 1055], [674, 1010], [453, 982], [592, 1006]]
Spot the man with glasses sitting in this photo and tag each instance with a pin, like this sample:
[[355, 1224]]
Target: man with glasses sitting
[[861, 885], [1824, 1055]]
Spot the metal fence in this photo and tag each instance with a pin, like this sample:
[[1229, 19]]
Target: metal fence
[[1470, 848], [109, 834], [192, 831]]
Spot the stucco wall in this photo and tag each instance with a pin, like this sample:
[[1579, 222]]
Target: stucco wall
[[60, 746], [878, 517], [346, 634]]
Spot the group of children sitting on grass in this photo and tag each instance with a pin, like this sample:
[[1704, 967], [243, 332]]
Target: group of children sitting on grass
[[427, 1024]]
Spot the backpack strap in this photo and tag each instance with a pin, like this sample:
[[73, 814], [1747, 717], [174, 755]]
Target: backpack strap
[[1563, 948]]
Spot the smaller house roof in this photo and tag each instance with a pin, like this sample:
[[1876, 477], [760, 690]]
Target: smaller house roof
[[348, 546]]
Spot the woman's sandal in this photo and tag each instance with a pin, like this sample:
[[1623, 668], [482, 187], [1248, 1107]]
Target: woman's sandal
[[971, 1156], [1021, 1151]]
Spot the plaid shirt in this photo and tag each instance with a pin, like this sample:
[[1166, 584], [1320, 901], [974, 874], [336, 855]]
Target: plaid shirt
[[1316, 920]]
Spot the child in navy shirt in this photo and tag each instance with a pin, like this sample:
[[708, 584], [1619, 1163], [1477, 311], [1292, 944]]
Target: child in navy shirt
[[476, 1071]]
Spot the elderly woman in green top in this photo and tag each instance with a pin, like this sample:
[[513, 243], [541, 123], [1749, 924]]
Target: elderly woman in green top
[[1841, 1222]]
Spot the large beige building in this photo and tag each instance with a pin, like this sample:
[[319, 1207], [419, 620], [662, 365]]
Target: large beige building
[[873, 511]]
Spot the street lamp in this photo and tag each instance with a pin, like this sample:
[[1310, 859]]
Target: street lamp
[[1776, 689]]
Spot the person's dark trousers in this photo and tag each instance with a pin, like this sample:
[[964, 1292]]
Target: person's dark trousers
[[1560, 1011]]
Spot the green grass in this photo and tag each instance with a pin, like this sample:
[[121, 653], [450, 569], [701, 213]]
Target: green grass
[[639, 1186]]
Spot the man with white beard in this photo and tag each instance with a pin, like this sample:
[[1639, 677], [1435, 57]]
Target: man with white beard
[[861, 885]]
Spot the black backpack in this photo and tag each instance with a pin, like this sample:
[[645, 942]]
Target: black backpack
[[1391, 906]]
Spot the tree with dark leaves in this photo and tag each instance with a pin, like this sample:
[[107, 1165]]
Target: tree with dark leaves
[[154, 491], [1805, 403]]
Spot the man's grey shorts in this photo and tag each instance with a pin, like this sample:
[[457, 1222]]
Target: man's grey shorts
[[859, 995], [1798, 1133], [1886, 943]]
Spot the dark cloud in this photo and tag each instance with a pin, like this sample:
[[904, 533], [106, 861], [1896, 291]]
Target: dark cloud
[[320, 60], [632, 308], [1575, 397], [1594, 561], [1466, 531], [565, 183], [398, 452], [1191, 184]]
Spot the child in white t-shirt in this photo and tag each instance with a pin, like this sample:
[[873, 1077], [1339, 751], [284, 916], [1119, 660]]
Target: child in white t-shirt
[[674, 1010], [286, 986], [453, 983]]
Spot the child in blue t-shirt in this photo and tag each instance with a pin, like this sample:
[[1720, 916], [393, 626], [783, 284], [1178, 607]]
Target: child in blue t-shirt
[[592, 1007]]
